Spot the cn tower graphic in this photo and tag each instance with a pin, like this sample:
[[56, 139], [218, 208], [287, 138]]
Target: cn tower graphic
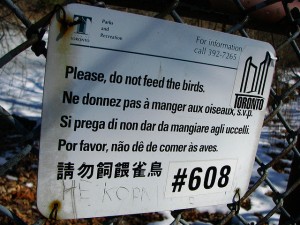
[[254, 79], [253, 83]]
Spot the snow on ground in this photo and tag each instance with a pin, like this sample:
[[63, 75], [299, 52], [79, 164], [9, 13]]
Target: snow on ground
[[22, 82], [21, 89]]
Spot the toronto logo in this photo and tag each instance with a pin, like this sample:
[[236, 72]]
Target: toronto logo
[[252, 85], [82, 28]]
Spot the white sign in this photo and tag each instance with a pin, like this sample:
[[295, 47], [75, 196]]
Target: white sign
[[143, 115]]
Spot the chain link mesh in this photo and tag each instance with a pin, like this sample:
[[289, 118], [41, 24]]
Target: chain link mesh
[[280, 119]]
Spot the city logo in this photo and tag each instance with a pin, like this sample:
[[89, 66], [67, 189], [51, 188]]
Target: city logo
[[252, 84], [83, 28]]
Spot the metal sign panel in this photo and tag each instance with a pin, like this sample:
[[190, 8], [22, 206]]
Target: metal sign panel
[[142, 114]]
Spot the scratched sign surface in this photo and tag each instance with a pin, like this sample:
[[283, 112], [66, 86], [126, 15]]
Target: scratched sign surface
[[143, 115]]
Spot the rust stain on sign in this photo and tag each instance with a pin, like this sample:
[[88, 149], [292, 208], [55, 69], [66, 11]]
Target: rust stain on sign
[[66, 27], [54, 208]]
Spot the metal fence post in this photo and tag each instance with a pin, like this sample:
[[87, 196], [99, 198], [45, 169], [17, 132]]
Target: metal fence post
[[291, 201]]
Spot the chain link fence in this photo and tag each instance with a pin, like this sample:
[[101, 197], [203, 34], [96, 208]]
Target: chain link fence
[[283, 115]]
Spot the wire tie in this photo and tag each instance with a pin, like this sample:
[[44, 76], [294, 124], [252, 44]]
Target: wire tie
[[53, 214], [236, 202]]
